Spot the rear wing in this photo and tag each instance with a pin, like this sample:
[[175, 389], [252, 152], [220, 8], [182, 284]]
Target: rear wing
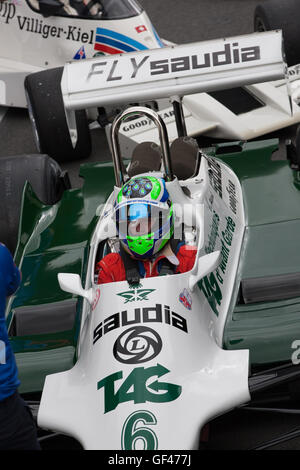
[[172, 71]]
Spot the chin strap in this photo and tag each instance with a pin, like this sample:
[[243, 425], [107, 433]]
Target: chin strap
[[166, 267], [131, 267]]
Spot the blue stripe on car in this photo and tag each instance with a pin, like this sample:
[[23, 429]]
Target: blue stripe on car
[[157, 37], [121, 37]]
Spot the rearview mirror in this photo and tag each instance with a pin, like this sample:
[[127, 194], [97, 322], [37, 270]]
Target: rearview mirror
[[72, 283], [205, 265]]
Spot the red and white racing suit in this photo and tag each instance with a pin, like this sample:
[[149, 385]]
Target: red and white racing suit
[[111, 268]]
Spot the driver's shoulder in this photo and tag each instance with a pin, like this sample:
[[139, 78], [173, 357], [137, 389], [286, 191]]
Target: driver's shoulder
[[110, 259]]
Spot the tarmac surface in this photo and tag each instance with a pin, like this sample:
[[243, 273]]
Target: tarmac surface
[[180, 21]]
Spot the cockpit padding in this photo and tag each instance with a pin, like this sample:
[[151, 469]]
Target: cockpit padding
[[185, 157], [146, 157]]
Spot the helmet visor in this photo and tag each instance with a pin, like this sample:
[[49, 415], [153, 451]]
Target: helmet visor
[[136, 219]]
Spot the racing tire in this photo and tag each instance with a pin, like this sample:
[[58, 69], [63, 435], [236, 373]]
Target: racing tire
[[285, 15], [46, 178], [295, 160], [47, 114]]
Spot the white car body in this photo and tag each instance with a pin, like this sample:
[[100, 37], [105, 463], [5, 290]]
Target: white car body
[[115, 397], [210, 117], [271, 105]]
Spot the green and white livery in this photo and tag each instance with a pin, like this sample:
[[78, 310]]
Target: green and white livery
[[148, 366]]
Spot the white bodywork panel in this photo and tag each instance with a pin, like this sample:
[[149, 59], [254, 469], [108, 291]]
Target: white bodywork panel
[[185, 71], [204, 115], [12, 76], [173, 70], [183, 377]]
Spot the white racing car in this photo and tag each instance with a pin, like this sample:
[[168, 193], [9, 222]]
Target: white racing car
[[147, 364], [41, 35], [37, 35], [55, 31]]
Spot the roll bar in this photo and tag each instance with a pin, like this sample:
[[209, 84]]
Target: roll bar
[[163, 137]]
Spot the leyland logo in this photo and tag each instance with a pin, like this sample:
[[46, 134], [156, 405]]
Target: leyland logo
[[137, 344], [140, 386], [135, 295]]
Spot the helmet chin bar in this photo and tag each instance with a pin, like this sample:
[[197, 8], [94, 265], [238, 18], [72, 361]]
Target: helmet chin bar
[[163, 137]]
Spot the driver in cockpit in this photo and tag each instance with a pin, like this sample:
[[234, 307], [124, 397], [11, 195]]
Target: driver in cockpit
[[82, 8], [145, 226], [87, 7]]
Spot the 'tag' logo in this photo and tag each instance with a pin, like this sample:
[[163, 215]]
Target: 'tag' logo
[[140, 386]]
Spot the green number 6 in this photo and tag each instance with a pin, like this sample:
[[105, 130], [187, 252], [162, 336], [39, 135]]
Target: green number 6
[[134, 430]]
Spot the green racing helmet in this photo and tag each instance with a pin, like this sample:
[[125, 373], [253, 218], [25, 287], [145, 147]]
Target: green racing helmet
[[144, 216]]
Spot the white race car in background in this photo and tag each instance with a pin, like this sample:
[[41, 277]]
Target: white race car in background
[[54, 32], [41, 34]]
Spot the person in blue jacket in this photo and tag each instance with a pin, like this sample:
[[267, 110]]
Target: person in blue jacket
[[17, 426]]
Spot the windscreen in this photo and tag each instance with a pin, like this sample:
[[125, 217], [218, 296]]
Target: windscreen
[[94, 9], [117, 9], [137, 218]]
